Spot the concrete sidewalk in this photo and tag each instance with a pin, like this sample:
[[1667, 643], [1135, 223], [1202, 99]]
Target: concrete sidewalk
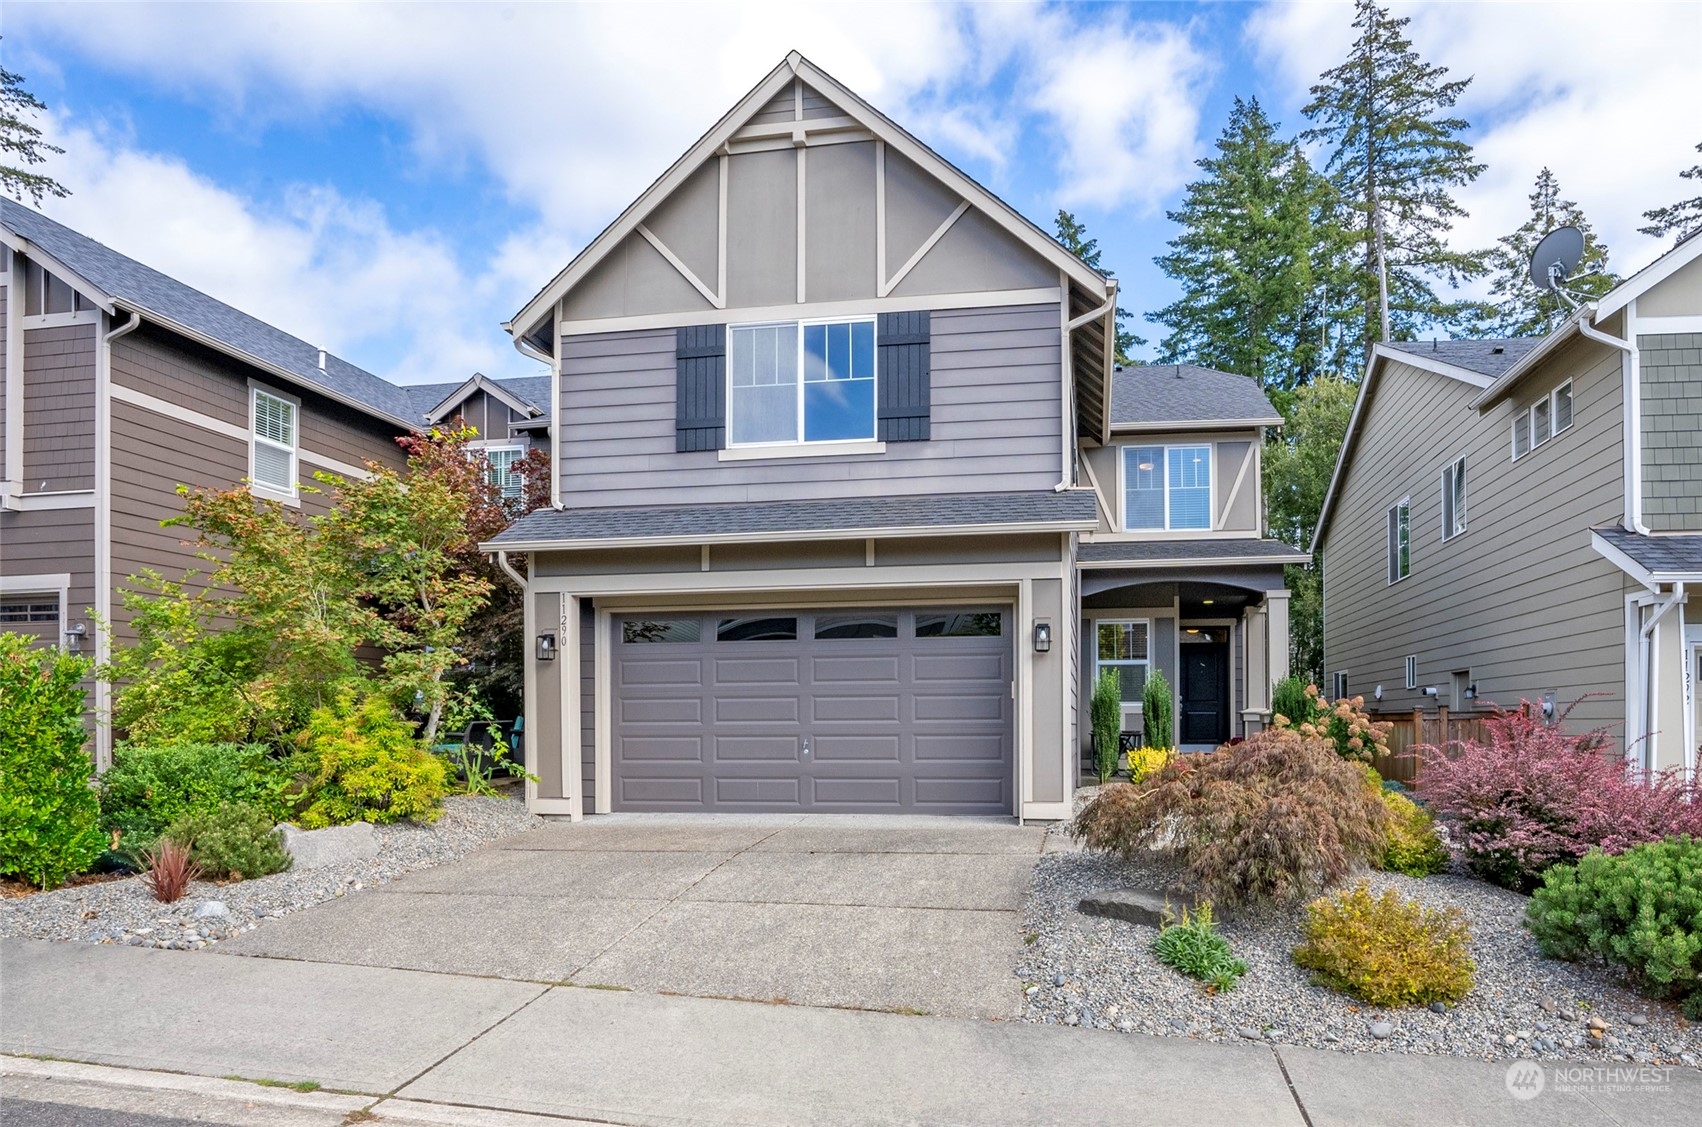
[[406, 1040]]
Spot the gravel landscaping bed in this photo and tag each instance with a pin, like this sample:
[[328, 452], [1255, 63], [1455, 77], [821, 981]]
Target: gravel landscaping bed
[[1085, 970], [122, 911]]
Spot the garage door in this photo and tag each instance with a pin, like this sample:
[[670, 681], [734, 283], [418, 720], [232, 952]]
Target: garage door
[[843, 711]]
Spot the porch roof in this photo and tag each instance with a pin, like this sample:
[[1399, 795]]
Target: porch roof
[[1171, 553], [1652, 559]]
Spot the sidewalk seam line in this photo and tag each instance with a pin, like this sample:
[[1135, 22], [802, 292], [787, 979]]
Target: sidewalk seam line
[[466, 1044], [1299, 1104]]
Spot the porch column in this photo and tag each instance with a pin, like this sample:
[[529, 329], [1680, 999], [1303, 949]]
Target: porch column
[[1258, 684], [1276, 610]]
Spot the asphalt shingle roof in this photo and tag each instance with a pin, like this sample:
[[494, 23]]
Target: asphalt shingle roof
[[1180, 551], [1486, 357], [949, 510], [167, 299], [1663, 554], [1155, 394], [530, 389]]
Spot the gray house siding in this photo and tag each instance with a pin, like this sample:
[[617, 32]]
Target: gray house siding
[[5, 292], [1672, 431], [59, 408], [996, 422], [491, 418], [1520, 599], [54, 542]]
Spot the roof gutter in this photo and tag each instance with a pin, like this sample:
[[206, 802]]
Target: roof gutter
[[784, 535]]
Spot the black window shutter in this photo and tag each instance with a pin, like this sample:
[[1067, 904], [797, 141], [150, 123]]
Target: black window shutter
[[904, 365], [700, 387]]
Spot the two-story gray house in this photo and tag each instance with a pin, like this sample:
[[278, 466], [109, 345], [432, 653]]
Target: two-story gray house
[[850, 505], [1522, 519]]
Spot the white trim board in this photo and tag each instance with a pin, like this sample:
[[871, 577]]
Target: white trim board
[[789, 535], [821, 310]]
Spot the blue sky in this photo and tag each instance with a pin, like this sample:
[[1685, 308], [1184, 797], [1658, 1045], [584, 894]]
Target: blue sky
[[393, 181]]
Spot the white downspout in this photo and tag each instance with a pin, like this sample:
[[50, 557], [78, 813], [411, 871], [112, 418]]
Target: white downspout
[[508, 569], [1645, 692], [1632, 385]]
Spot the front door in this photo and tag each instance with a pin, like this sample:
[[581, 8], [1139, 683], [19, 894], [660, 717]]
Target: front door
[[1205, 693]]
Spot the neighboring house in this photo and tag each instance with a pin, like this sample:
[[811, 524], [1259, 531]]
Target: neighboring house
[[824, 535], [509, 416], [1522, 519], [120, 384]]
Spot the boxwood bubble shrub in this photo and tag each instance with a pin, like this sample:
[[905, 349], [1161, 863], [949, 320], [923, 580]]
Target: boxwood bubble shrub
[[49, 814]]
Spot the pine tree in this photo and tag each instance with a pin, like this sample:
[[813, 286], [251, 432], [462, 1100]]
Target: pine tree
[[1682, 219], [21, 141], [1517, 307], [1395, 160], [1259, 251], [1072, 236]]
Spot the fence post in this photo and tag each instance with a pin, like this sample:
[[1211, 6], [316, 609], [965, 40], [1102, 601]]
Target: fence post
[[1442, 734]]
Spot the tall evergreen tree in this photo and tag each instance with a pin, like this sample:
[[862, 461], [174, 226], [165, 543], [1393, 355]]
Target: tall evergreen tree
[[1682, 219], [1517, 307], [1396, 160], [1072, 236], [1259, 252], [21, 145]]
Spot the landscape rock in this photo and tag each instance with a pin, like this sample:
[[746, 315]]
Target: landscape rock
[[1637, 1019], [335, 845], [212, 910], [1382, 1030], [1144, 906]]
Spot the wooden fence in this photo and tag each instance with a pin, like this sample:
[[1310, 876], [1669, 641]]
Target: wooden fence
[[1408, 730]]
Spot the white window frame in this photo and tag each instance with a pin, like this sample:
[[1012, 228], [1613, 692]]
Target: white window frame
[[1338, 684], [1555, 429], [1392, 537], [266, 488], [1412, 671], [1455, 486], [1526, 421], [1099, 664], [1164, 450], [848, 445], [519, 478]]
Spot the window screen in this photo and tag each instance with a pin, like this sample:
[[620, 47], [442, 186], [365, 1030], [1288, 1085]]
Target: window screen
[[1562, 407], [1189, 470], [1122, 648]]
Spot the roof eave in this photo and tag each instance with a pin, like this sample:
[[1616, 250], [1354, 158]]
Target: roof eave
[[1002, 528], [1503, 384], [490, 387], [55, 265], [1296, 560], [1196, 424]]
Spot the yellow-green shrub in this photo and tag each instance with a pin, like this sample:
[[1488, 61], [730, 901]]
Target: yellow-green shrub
[[363, 763], [1387, 950], [1414, 847], [1143, 761]]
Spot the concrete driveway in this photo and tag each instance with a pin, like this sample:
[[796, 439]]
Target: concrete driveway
[[905, 914]]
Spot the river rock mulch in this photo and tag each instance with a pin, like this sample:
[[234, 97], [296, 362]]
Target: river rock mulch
[[122, 911], [1088, 971]]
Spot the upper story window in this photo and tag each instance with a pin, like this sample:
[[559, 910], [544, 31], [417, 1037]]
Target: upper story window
[[47, 295], [802, 381], [1547, 417], [1400, 554], [1454, 498], [502, 470], [1167, 487], [272, 444]]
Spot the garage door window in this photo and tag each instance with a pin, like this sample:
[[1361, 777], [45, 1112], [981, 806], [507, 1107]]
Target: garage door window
[[840, 626], [660, 630], [757, 630], [978, 625]]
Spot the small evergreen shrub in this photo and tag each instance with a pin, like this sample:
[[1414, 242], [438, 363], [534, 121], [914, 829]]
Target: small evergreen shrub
[[1387, 950], [148, 787], [1194, 947], [233, 842], [363, 763], [1276, 818], [1531, 795], [1158, 710], [1107, 716], [1641, 910], [1291, 701], [49, 815]]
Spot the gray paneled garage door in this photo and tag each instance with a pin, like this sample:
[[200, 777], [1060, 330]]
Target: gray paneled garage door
[[849, 711]]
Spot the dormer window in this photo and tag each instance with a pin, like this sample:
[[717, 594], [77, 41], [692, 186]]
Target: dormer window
[[801, 382], [1167, 487]]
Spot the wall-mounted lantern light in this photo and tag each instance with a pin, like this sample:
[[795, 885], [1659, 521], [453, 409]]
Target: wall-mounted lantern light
[[1042, 637], [1471, 691], [1377, 693], [74, 638], [546, 647]]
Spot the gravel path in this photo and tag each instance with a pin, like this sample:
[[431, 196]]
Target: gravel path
[[1085, 970], [122, 911]]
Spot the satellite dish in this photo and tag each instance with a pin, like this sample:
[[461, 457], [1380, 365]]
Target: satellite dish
[[1556, 257]]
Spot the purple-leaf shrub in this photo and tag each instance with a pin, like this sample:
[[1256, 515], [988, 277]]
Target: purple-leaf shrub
[[1531, 795]]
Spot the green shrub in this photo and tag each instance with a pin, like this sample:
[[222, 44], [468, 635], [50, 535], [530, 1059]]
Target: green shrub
[[1414, 847], [1641, 910], [234, 842], [1294, 700], [148, 787], [1387, 950], [49, 815], [1276, 818], [1692, 1007], [364, 764], [1107, 715], [1158, 713], [1194, 947]]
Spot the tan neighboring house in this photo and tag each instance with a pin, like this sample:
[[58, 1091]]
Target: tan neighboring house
[[849, 504], [120, 383], [1522, 519]]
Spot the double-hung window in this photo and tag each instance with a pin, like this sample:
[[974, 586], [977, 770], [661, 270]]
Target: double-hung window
[[802, 381], [1123, 648], [1454, 498], [272, 443], [1547, 418], [1400, 557], [1167, 487], [501, 461]]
